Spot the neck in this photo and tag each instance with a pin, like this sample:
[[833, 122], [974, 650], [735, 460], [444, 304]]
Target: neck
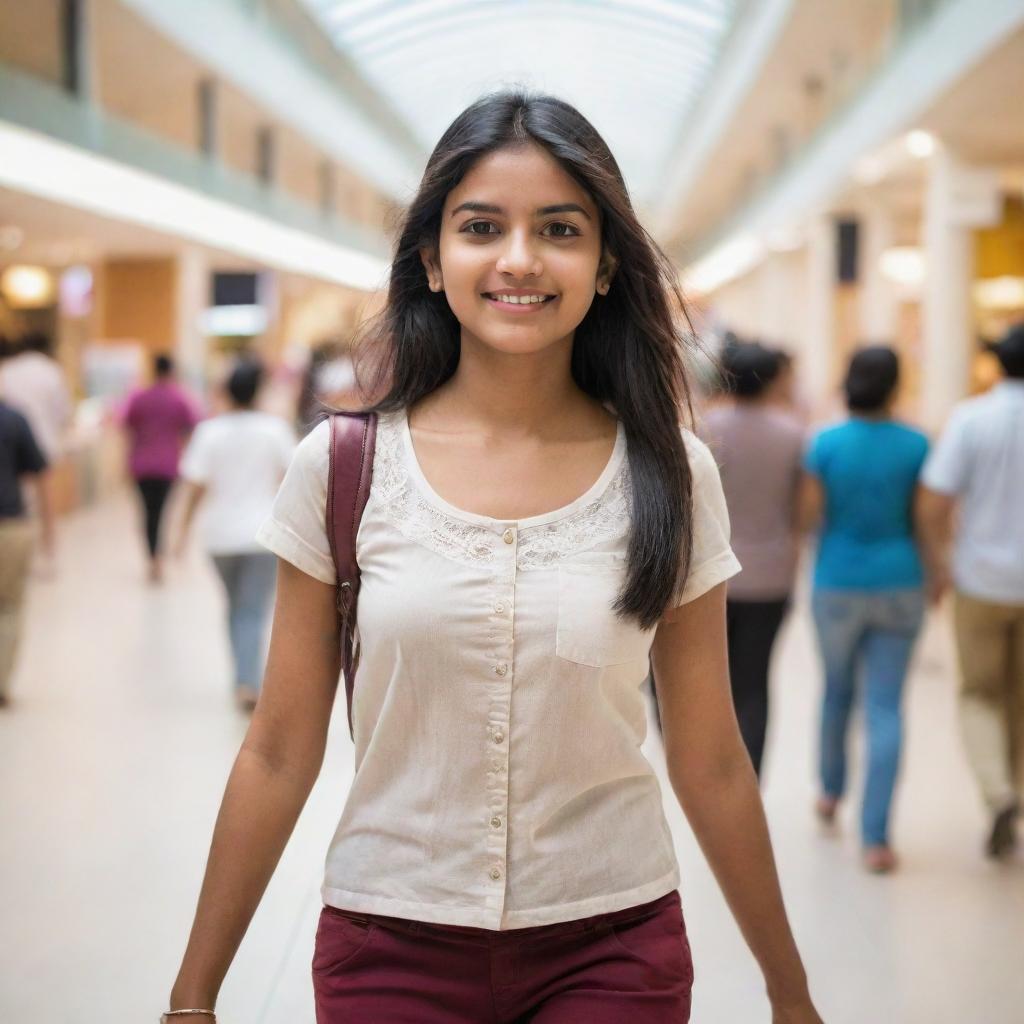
[[509, 395]]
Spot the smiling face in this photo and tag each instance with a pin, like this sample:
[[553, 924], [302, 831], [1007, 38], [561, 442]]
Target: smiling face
[[520, 255]]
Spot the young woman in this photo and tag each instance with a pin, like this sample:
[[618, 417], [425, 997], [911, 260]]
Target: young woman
[[868, 598], [539, 526], [759, 445]]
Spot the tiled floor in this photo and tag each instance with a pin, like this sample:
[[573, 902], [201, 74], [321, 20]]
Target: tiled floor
[[114, 757]]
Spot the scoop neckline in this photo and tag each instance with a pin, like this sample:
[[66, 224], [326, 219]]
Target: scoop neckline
[[596, 489]]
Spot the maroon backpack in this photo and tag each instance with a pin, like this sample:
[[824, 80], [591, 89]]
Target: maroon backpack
[[353, 439]]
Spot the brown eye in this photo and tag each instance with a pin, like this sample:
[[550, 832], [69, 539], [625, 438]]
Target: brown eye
[[562, 229], [469, 229]]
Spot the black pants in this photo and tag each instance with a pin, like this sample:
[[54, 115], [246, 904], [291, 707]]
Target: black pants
[[154, 491], [752, 627]]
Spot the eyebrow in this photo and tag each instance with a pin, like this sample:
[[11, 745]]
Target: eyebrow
[[542, 212]]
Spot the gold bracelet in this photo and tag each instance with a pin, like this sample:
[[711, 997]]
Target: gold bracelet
[[165, 1017]]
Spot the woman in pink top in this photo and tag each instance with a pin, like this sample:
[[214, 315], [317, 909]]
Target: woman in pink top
[[158, 419]]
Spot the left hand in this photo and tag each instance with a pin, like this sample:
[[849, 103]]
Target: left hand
[[800, 1013]]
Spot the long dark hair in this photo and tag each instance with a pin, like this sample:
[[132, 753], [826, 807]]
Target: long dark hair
[[628, 351]]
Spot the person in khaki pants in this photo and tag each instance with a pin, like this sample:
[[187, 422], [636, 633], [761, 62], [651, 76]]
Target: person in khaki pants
[[19, 457], [977, 468]]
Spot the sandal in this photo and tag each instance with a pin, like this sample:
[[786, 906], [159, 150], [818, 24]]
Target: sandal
[[825, 808], [880, 860]]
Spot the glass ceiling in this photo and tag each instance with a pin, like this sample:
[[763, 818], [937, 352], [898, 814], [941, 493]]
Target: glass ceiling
[[633, 67]]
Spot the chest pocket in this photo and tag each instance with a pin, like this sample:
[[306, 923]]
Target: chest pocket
[[588, 631]]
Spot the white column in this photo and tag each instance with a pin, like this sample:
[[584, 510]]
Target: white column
[[877, 299], [193, 297], [818, 344], [958, 199]]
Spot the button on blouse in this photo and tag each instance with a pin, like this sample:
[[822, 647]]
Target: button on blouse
[[498, 711]]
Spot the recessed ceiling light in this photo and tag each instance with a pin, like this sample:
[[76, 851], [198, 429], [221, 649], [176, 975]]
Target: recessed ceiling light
[[919, 143], [904, 265], [27, 287]]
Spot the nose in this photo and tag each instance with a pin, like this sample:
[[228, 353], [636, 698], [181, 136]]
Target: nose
[[518, 257]]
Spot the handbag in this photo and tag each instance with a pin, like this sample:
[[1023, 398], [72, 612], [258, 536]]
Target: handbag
[[353, 440]]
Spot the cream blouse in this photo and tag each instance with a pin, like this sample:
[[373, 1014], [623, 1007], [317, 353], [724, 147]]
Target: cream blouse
[[498, 711]]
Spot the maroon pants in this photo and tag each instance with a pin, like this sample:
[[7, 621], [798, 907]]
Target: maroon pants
[[630, 965]]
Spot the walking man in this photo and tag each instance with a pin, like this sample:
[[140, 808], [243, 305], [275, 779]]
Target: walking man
[[977, 470]]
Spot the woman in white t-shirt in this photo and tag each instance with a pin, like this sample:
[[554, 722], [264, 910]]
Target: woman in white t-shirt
[[233, 466], [540, 530]]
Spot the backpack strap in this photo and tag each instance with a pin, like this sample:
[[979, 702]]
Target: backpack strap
[[353, 439]]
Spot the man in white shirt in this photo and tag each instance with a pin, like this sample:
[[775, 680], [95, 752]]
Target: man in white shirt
[[977, 469], [33, 383]]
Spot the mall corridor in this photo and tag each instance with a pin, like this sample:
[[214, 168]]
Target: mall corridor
[[527, 241], [121, 733]]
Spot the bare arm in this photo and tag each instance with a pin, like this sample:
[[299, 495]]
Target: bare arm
[[44, 501], [193, 495], [715, 784], [275, 769], [933, 524], [810, 503]]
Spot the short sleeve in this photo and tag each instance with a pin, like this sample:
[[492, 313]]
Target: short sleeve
[[296, 529], [195, 462], [712, 560], [947, 467]]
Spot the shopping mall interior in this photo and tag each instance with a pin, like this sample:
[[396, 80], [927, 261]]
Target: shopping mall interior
[[218, 179]]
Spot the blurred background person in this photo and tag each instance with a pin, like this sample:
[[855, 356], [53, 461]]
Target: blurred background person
[[20, 457], [868, 599], [234, 464], [758, 446], [32, 382], [977, 469], [158, 420], [328, 383]]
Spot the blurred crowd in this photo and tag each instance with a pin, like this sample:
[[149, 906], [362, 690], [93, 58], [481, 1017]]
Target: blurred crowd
[[222, 457], [896, 521]]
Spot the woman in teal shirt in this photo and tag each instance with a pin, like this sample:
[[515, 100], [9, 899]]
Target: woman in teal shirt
[[868, 595]]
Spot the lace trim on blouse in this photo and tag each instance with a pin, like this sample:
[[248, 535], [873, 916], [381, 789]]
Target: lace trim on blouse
[[605, 518]]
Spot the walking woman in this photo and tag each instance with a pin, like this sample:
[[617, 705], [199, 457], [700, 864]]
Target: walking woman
[[538, 525], [158, 420], [868, 596], [232, 468], [759, 446]]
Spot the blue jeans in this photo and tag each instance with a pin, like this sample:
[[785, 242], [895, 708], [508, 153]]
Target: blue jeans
[[871, 633], [249, 581]]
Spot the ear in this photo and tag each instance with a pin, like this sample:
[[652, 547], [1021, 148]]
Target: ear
[[428, 256], [605, 272]]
